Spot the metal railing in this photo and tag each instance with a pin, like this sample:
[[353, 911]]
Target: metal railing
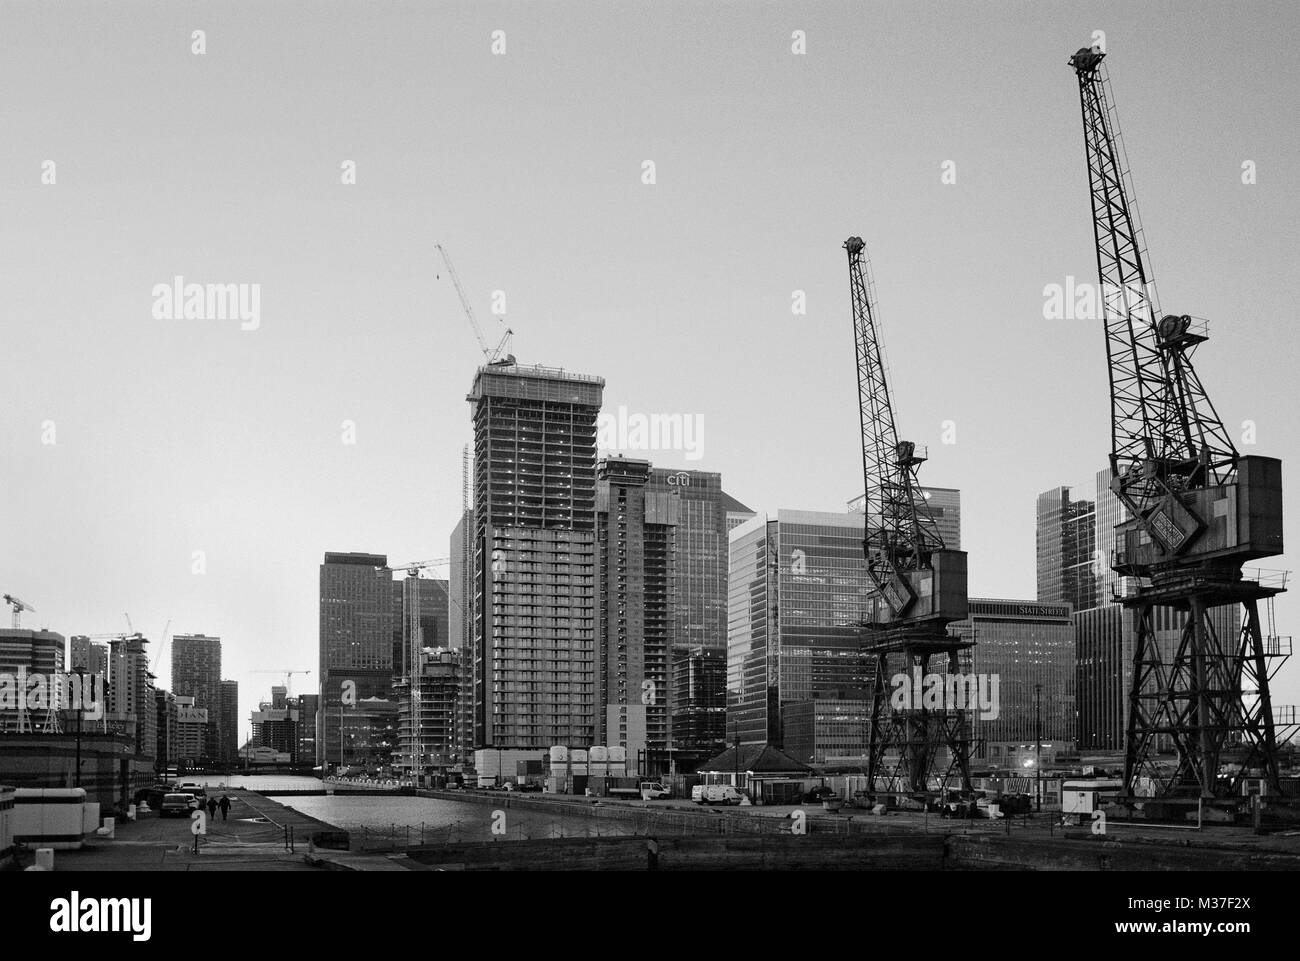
[[1266, 577]]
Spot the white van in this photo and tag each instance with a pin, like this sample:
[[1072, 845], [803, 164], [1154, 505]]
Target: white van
[[716, 794], [652, 790]]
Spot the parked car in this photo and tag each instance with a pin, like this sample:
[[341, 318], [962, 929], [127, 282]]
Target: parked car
[[192, 787], [510, 786], [530, 786], [819, 793], [177, 804]]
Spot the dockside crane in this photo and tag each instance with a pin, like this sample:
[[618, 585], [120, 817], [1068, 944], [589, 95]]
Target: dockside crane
[[919, 586], [1197, 510]]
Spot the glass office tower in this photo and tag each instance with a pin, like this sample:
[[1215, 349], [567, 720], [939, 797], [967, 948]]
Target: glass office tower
[[796, 595], [357, 618], [1066, 541]]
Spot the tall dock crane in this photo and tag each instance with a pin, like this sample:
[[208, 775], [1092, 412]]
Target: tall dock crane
[[919, 585], [1197, 511]]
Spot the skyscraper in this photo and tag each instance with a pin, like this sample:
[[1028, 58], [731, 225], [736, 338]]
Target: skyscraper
[[534, 631], [460, 627], [662, 538], [634, 531], [943, 503], [196, 673], [460, 584], [797, 592], [698, 703], [167, 729], [131, 693], [356, 660], [1110, 512], [36, 652], [1029, 647], [228, 723], [1066, 540], [87, 655]]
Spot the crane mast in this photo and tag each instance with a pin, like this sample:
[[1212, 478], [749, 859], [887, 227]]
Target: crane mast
[[1197, 509], [919, 586]]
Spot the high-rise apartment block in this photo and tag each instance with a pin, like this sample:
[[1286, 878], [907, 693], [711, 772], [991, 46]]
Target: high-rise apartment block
[[228, 723], [534, 629], [663, 555], [196, 673]]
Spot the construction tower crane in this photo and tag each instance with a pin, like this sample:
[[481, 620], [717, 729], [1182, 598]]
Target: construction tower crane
[[411, 603], [493, 355], [919, 585], [288, 677], [1197, 509], [18, 606]]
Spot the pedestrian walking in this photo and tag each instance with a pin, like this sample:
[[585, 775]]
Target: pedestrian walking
[[212, 808], [224, 804]]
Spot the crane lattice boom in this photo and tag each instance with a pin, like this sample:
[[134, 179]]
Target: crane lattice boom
[[1165, 433], [901, 532]]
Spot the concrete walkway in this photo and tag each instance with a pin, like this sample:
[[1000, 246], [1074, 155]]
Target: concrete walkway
[[251, 838]]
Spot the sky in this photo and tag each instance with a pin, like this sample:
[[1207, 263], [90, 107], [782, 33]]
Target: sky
[[130, 441]]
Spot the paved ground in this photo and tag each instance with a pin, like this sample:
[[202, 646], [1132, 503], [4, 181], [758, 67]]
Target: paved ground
[[251, 838]]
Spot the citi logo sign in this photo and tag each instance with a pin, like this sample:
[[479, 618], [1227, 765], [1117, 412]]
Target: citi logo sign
[[946, 692], [77, 915]]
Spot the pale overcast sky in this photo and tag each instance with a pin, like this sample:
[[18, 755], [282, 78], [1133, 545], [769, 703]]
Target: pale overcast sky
[[176, 436]]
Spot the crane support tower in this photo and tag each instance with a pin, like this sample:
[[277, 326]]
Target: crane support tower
[[1197, 510], [919, 587]]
